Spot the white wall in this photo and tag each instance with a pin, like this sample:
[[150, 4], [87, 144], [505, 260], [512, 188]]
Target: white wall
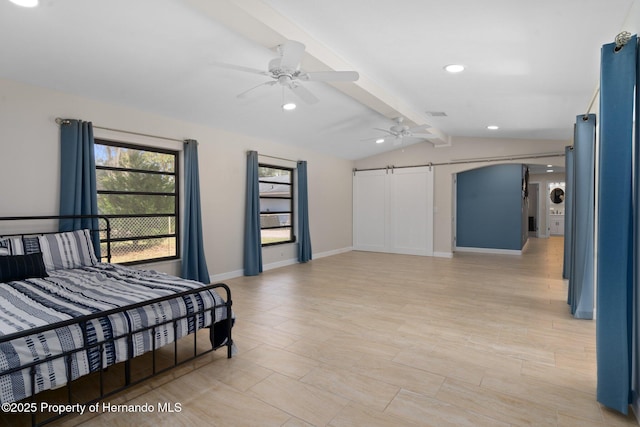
[[30, 161], [461, 149], [544, 199]]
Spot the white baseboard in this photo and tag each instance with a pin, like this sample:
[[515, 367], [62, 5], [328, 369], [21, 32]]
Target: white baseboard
[[226, 276], [239, 273], [443, 254], [332, 252], [283, 263], [293, 261], [489, 250]]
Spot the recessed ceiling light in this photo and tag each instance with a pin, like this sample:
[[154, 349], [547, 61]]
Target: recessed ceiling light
[[25, 3], [549, 170], [549, 166], [454, 68], [379, 140], [493, 127], [289, 106]]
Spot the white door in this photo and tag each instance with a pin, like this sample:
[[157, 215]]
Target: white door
[[369, 210], [411, 211], [393, 211]]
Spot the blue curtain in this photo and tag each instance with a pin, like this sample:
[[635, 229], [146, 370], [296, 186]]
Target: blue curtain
[[568, 214], [194, 262], [252, 238], [615, 264], [581, 278], [304, 245], [78, 178]]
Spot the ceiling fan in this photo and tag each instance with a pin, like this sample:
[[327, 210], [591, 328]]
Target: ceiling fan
[[399, 131], [285, 71]]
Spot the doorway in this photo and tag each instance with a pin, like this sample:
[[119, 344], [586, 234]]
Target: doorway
[[534, 209]]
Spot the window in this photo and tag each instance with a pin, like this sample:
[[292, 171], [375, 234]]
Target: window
[[138, 190], [276, 204]]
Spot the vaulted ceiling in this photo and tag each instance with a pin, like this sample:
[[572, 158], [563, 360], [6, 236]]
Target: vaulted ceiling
[[530, 66]]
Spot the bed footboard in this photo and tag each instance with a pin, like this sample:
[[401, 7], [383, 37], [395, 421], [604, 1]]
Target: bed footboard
[[220, 336], [220, 332]]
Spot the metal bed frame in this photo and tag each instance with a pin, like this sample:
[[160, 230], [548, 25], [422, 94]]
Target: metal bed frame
[[83, 320]]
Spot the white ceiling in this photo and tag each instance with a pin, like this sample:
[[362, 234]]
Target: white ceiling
[[532, 66]]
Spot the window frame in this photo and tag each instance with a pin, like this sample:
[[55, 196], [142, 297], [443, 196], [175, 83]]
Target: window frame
[[291, 212], [176, 214]]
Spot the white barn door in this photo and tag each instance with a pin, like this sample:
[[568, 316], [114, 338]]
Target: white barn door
[[393, 211], [369, 210], [411, 211]]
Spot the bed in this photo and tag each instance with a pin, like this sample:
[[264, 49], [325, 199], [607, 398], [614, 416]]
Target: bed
[[65, 314]]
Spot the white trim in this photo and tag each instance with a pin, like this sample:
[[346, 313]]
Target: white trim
[[239, 273], [333, 252], [293, 261], [443, 254], [283, 263], [454, 211], [489, 251], [226, 276]]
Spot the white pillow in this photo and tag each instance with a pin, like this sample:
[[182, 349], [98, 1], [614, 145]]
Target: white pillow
[[72, 249], [5, 247], [12, 246]]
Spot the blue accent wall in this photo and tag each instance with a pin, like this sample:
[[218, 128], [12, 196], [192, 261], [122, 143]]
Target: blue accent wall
[[490, 208]]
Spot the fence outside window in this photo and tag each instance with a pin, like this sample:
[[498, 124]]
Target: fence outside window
[[138, 189]]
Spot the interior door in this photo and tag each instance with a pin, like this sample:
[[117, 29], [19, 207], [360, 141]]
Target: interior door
[[411, 211], [369, 210], [393, 211]]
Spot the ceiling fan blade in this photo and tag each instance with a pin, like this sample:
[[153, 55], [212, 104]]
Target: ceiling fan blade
[[303, 93], [422, 135], [243, 94], [385, 130], [291, 52], [330, 76], [240, 68]]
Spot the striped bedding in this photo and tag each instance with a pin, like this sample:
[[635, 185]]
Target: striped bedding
[[70, 293]]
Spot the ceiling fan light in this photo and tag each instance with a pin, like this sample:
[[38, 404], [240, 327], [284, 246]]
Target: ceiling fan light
[[289, 106], [25, 3]]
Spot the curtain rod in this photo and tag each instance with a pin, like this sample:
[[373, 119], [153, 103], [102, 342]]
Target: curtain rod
[[467, 161], [67, 121], [278, 158]]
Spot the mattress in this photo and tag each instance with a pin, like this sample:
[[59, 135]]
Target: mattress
[[71, 293]]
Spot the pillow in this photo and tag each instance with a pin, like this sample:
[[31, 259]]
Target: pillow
[[30, 245], [16, 246], [5, 247], [72, 249], [20, 267]]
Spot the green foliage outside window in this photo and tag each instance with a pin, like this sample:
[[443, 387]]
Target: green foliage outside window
[[138, 188]]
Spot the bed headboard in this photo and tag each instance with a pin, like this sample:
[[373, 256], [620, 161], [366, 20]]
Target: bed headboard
[[11, 226]]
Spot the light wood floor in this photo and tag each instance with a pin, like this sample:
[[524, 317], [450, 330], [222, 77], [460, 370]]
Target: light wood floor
[[368, 339]]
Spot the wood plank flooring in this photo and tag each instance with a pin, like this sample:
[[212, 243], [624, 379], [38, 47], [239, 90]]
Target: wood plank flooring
[[369, 339]]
